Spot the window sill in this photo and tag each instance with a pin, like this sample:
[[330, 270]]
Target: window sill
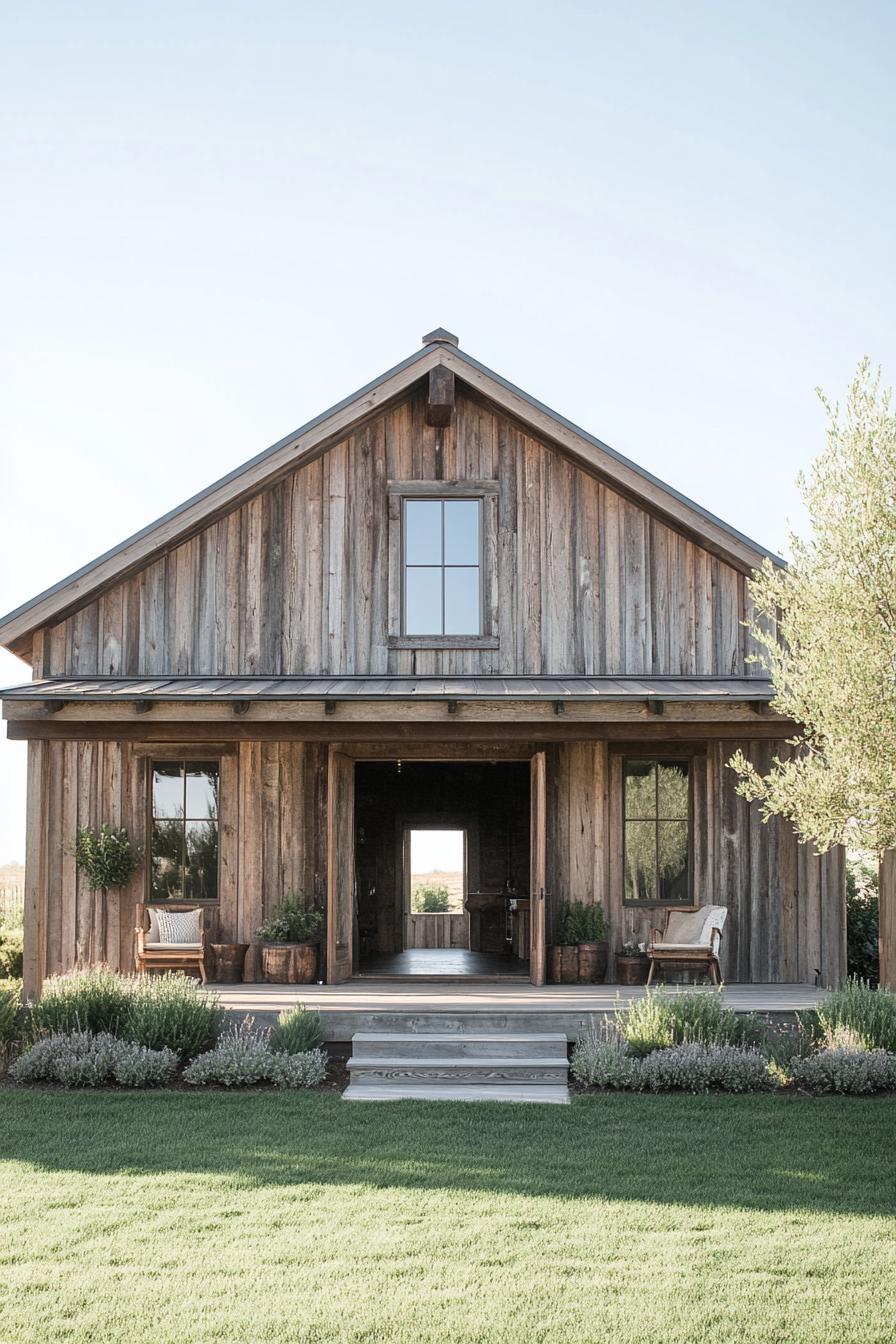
[[443, 641]]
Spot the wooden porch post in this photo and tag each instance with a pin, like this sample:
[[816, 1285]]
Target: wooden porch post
[[34, 962], [887, 931]]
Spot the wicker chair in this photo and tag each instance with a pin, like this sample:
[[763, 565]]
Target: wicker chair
[[151, 954], [690, 937]]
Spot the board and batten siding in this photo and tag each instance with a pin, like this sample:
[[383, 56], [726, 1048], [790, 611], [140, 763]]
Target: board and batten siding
[[786, 915], [297, 580], [272, 842], [786, 919]]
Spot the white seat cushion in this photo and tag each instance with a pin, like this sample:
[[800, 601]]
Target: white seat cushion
[[175, 947], [173, 927], [681, 947]]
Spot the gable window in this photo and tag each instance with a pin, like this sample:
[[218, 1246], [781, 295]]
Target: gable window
[[657, 832], [442, 562], [184, 848]]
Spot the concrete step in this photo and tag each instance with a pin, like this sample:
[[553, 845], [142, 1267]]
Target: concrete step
[[451, 1071], [368, 1045], [458, 1066], [553, 1095]]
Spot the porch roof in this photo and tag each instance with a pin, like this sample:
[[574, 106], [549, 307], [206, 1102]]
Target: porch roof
[[115, 689]]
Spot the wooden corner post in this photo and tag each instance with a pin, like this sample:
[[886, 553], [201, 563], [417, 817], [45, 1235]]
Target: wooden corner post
[[34, 962], [886, 937]]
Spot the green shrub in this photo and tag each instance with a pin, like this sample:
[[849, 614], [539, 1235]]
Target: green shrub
[[170, 1011], [10, 1015], [578, 922], [297, 1031], [601, 1062], [646, 1024], [243, 1058], [305, 1070], [690, 1067], [240, 1059], [430, 900], [846, 1070], [11, 953], [89, 1059], [862, 918], [660, 1020], [106, 857], [291, 922], [868, 1012], [160, 1012], [703, 1068], [93, 1001]]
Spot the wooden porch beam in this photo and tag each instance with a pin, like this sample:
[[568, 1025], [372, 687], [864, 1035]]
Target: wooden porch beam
[[444, 729]]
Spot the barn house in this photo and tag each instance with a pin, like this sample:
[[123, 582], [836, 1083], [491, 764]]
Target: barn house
[[438, 661]]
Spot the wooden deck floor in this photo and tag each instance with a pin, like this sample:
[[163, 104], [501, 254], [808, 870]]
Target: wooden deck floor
[[368, 1005]]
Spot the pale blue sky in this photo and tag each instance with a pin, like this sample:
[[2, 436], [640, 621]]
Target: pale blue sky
[[668, 221]]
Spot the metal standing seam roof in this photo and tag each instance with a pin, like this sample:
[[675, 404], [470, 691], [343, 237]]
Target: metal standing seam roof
[[211, 689]]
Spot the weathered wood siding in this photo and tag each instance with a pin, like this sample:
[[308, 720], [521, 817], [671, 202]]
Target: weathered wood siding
[[272, 838], [437, 930], [297, 580], [786, 911], [786, 920]]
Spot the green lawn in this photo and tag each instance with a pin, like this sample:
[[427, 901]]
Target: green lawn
[[181, 1217]]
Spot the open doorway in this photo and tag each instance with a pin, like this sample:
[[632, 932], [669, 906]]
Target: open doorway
[[442, 869], [435, 887]]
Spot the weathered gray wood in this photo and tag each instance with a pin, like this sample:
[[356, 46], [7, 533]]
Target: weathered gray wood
[[440, 401], [340, 865], [538, 870], [35, 870], [300, 579]]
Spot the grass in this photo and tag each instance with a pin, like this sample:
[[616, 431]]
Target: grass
[[257, 1217]]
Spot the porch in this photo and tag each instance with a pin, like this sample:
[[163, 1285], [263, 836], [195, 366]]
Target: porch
[[382, 1005]]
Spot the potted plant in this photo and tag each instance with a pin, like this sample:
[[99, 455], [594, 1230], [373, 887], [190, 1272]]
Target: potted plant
[[579, 953], [631, 964], [564, 953], [591, 941], [289, 938]]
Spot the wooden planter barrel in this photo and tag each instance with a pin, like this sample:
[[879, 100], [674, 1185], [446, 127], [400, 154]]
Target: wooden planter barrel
[[564, 965], [289, 963], [592, 962], [631, 970], [229, 959]]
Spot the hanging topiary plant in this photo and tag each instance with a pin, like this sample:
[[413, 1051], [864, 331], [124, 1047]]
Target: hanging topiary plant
[[106, 857]]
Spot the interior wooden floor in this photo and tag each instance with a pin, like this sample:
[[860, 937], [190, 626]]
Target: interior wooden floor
[[439, 963]]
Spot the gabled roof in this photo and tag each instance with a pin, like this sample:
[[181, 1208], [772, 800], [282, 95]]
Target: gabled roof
[[313, 438]]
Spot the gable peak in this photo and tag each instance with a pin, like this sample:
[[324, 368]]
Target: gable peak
[[440, 337]]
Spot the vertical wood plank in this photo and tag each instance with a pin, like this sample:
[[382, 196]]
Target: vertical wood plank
[[34, 960]]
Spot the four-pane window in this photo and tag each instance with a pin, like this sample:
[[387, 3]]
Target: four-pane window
[[184, 853], [442, 567], [656, 832]]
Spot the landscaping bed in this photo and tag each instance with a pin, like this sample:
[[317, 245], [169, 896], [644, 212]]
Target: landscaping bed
[[691, 1043], [98, 1029]]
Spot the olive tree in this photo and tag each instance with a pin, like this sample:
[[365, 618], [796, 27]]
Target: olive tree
[[826, 628]]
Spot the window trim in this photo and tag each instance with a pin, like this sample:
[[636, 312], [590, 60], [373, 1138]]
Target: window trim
[[168, 754], [486, 492], [660, 758]]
